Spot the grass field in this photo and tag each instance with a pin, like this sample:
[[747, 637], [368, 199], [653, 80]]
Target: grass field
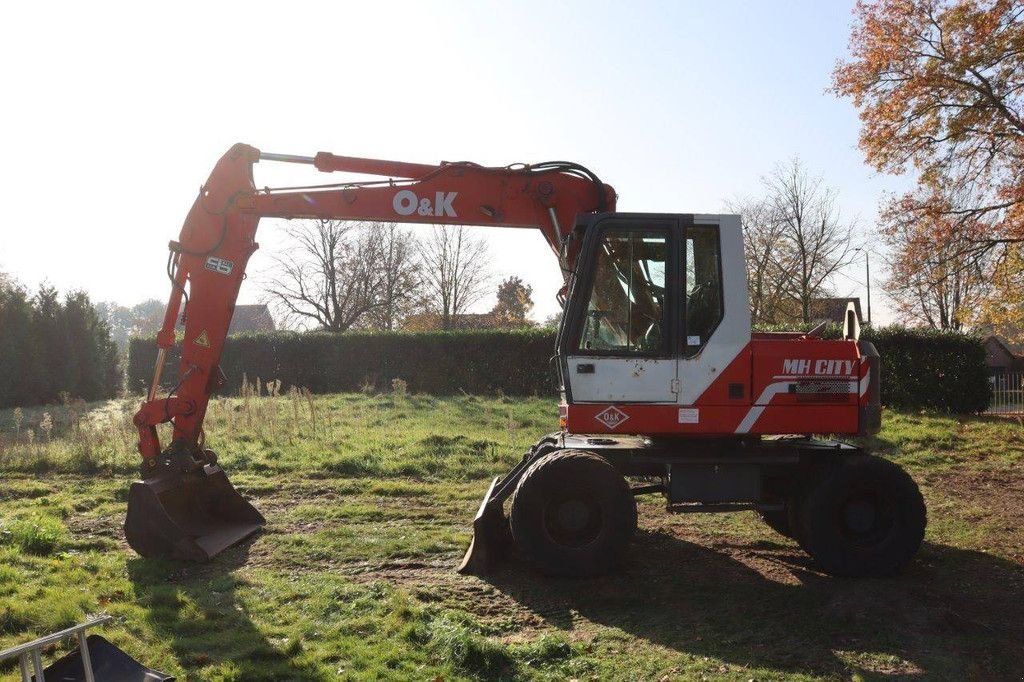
[[369, 501]]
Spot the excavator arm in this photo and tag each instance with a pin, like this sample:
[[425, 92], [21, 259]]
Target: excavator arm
[[207, 264]]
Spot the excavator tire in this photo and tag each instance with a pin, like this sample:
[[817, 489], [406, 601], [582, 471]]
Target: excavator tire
[[572, 514], [865, 518], [778, 521]]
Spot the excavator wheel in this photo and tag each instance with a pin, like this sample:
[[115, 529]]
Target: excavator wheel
[[572, 514], [865, 517], [777, 520]]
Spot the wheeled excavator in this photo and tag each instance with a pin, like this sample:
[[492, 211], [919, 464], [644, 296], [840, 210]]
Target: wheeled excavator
[[664, 387]]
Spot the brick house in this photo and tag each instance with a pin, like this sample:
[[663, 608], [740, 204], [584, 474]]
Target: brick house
[[1002, 356]]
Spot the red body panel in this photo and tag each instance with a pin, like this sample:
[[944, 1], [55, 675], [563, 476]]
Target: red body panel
[[790, 384]]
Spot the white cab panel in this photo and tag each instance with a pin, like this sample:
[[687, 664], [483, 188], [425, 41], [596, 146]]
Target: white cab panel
[[619, 380]]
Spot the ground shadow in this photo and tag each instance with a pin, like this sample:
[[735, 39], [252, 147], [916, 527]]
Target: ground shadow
[[196, 608], [953, 614]]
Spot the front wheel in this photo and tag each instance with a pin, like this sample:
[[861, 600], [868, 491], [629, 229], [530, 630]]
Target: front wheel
[[777, 520], [572, 514], [866, 517]]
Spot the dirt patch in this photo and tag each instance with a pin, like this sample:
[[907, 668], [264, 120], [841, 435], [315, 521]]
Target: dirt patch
[[97, 532], [988, 496]]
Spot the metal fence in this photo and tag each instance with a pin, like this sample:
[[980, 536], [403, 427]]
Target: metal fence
[[1007, 393], [28, 655]]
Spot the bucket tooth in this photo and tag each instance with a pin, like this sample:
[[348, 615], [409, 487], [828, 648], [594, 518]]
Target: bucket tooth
[[189, 516]]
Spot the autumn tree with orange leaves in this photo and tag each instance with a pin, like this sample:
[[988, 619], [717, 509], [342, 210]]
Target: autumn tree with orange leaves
[[1002, 311], [936, 276], [940, 89]]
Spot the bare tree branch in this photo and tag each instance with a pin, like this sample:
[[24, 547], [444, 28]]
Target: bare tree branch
[[342, 275], [456, 271]]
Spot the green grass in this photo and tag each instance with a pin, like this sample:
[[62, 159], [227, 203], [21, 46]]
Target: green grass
[[369, 501]]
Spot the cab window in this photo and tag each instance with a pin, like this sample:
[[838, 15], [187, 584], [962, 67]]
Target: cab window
[[626, 311], [703, 286]]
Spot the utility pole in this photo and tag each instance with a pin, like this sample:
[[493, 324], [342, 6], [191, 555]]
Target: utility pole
[[867, 281], [867, 267]]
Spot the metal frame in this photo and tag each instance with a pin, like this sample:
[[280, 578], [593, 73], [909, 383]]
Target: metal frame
[[32, 649], [642, 456], [1007, 391]]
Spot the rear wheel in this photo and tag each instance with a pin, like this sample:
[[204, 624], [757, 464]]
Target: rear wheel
[[866, 517], [572, 514]]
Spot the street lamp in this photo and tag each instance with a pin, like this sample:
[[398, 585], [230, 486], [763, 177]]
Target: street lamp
[[867, 280]]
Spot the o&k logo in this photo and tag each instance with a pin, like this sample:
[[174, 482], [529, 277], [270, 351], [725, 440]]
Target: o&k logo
[[406, 203], [611, 417]]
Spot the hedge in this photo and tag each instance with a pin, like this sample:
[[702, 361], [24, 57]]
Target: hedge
[[439, 363], [929, 369], [921, 369]]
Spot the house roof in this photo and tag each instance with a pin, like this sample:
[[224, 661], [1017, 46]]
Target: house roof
[[1010, 348], [251, 318], [833, 309], [1010, 336]]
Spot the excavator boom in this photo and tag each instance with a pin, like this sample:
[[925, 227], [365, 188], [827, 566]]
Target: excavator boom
[[184, 506]]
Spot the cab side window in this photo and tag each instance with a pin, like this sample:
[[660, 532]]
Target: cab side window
[[703, 286], [626, 311]]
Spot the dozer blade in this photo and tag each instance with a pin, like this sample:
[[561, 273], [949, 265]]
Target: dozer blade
[[491, 536], [191, 516]]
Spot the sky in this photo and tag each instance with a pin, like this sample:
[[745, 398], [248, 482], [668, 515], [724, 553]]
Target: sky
[[114, 114]]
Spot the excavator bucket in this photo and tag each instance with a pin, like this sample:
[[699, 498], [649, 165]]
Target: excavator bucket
[[491, 536], [191, 516]]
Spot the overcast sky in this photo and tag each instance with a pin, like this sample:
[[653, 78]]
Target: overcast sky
[[113, 114]]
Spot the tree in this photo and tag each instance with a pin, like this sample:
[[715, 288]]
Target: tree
[[398, 294], [50, 348], [455, 271], [338, 273], [940, 86], [1002, 307], [934, 277], [515, 301], [553, 321], [20, 362], [141, 320], [767, 270], [93, 371], [54, 344], [812, 241]]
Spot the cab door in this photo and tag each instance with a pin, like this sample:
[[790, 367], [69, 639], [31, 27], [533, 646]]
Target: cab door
[[715, 325], [618, 339]]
